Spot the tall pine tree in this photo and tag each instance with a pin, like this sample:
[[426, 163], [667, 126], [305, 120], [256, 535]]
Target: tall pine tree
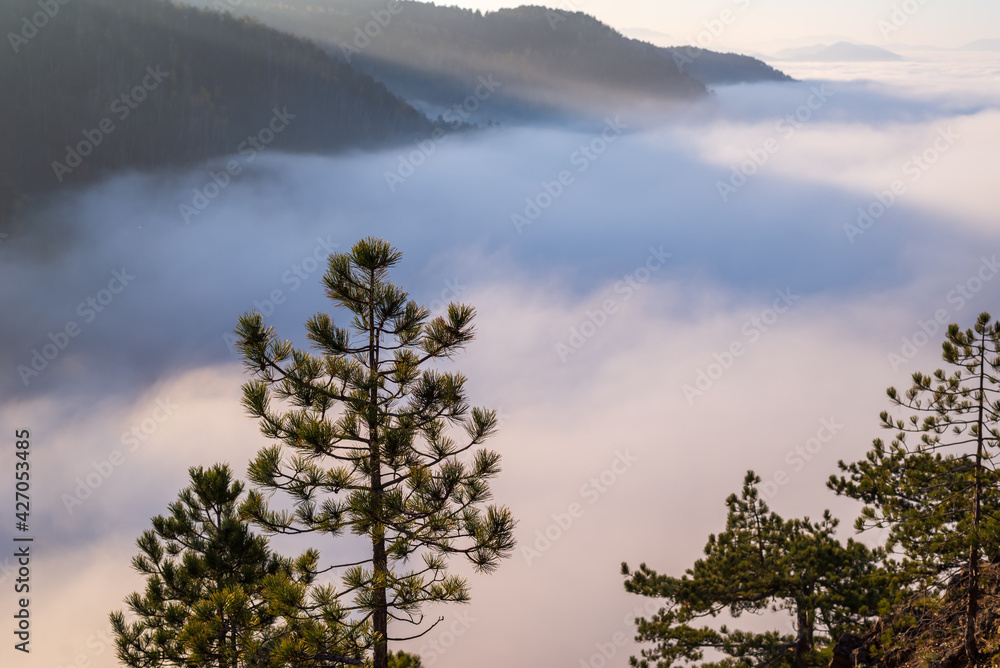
[[376, 442], [939, 498]]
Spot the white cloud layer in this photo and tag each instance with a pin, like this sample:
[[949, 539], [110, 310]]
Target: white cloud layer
[[588, 333]]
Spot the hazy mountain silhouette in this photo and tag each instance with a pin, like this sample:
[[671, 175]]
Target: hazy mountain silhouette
[[546, 61], [983, 45], [839, 52]]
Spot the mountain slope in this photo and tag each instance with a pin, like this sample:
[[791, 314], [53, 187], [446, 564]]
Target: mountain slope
[[927, 631], [545, 60], [712, 67], [112, 84]]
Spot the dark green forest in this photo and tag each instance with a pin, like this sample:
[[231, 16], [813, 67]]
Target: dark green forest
[[84, 77]]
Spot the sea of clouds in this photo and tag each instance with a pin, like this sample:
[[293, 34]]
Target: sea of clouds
[[662, 305]]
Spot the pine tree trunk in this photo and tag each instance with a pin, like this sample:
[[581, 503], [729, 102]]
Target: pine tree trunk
[[380, 566], [971, 646], [804, 639], [380, 621], [235, 647]]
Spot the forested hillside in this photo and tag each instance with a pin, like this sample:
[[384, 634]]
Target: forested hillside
[[545, 60], [111, 84], [714, 68]]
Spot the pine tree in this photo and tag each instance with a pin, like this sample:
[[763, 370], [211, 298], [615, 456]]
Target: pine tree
[[940, 498], [403, 659], [368, 442], [215, 593], [760, 562]]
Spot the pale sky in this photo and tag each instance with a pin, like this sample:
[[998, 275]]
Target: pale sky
[[755, 24]]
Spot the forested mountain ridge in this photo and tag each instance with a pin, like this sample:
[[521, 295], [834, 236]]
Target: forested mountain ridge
[[546, 60], [102, 85], [715, 68]]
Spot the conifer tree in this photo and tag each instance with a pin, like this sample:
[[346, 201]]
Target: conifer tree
[[760, 562], [376, 442], [939, 498], [217, 596], [403, 659]]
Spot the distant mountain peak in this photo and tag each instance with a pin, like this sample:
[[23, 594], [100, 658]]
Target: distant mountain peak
[[838, 52], [983, 45]]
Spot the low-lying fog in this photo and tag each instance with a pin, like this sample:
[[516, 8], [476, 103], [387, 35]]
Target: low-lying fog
[[815, 227]]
